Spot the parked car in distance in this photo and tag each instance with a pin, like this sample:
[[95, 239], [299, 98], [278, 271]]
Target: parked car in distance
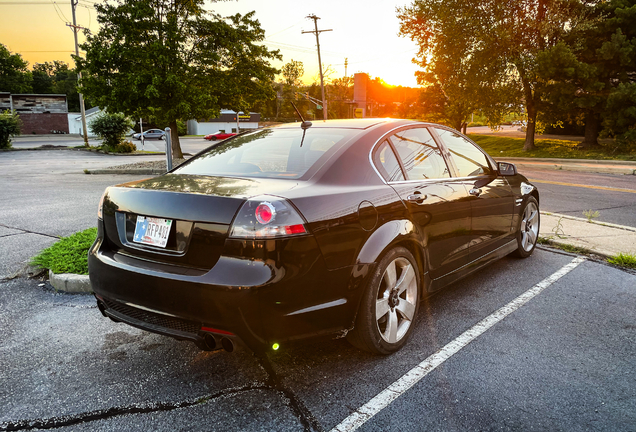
[[218, 136], [337, 228], [151, 134]]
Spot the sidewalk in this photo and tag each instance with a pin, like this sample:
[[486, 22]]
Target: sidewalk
[[600, 238], [580, 165]]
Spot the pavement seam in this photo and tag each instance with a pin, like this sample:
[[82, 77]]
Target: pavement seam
[[29, 232], [141, 408]]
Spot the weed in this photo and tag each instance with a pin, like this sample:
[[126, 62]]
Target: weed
[[623, 260], [558, 229], [591, 214]]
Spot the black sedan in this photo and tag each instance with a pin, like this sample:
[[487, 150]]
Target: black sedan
[[340, 227]]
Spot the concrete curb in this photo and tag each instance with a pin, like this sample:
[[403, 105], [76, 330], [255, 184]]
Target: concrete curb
[[561, 161], [70, 283], [556, 242], [607, 224]]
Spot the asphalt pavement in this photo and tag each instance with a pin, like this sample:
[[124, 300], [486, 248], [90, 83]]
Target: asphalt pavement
[[563, 360]]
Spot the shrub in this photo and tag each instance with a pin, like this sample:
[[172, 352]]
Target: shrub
[[182, 128], [9, 126], [69, 254], [111, 128], [124, 147]]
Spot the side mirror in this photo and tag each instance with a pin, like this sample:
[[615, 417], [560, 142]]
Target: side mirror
[[506, 168]]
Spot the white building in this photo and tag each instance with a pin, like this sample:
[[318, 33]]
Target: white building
[[75, 121], [226, 122]]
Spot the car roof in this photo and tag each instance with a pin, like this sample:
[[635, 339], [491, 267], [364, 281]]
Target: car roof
[[363, 123]]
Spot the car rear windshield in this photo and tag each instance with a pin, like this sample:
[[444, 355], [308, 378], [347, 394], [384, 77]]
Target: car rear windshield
[[270, 153]]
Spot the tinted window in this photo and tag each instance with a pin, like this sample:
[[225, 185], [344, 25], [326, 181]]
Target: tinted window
[[470, 161], [267, 153], [387, 163], [420, 155]]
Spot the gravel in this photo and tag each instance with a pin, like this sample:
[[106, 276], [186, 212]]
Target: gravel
[[161, 164]]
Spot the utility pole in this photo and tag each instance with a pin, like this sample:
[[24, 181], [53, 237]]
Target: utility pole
[[75, 29], [322, 82], [346, 64]]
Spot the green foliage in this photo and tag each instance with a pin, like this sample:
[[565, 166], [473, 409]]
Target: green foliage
[[9, 126], [182, 127], [591, 214], [623, 260], [502, 147], [111, 128], [620, 114], [14, 76], [124, 147], [69, 254], [481, 54], [171, 60], [56, 77]]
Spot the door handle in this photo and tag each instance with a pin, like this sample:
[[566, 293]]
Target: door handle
[[475, 191], [416, 198]]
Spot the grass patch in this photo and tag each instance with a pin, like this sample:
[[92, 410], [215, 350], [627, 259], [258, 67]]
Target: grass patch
[[623, 260], [69, 254], [499, 147], [564, 247]]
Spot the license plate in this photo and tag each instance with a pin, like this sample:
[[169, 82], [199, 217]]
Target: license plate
[[152, 231]]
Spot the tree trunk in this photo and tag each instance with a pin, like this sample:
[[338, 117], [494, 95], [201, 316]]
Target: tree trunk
[[464, 126], [528, 145], [592, 126], [174, 137]]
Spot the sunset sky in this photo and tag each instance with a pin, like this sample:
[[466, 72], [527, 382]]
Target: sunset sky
[[365, 32]]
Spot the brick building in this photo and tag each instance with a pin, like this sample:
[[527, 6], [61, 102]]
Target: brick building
[[40, 113]]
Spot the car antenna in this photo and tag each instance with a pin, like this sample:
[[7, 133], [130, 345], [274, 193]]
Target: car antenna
[[304, 125]]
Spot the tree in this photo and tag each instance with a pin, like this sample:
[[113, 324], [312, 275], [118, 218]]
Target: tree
[[486, 50], [14, 75], [57, 77], [111, 128], [595, 64], [291, 72], [9, 126], [170, 60]]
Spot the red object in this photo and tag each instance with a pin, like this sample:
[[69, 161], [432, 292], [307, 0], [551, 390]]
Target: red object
[[265, 213], [218, 136], [295, 229], [213, 330]]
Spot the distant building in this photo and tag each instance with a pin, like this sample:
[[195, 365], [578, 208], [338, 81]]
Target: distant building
[[226, 122], [360, 84], [39, 113], [75, 121]]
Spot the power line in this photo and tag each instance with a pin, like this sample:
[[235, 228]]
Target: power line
[[322, 82]]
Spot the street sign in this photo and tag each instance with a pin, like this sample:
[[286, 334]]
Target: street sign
[[357, 113]]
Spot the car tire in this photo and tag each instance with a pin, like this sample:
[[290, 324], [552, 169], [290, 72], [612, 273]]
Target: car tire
[[389, 304], [528, 229], [213, 138]]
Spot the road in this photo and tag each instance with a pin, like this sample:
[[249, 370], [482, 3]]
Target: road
[[579, 192], [564, 360]]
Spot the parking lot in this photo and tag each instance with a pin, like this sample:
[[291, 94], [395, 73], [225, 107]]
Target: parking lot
[[560, 357]]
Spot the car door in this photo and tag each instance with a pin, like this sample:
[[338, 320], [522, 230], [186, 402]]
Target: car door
[[438, 204], [491, 198]]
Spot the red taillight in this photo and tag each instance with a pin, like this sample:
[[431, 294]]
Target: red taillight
[[295, 229], [265, 213]]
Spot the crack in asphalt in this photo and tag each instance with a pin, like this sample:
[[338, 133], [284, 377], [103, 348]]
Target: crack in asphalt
[[303, 414], [85, 417], [24, 231]]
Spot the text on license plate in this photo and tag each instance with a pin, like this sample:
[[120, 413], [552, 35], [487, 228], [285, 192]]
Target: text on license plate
[[152, 231]]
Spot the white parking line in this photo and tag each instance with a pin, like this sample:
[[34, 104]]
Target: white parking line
[[412, 377]]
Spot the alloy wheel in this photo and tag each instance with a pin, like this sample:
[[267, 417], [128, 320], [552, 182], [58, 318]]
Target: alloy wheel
[[396, 301]]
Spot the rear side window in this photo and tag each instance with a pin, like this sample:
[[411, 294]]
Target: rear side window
[[420, 156], [387, 163], [469, 160], [270, 153]]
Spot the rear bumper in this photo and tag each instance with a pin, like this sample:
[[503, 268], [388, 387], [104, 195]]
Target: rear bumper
[[255, 302]]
